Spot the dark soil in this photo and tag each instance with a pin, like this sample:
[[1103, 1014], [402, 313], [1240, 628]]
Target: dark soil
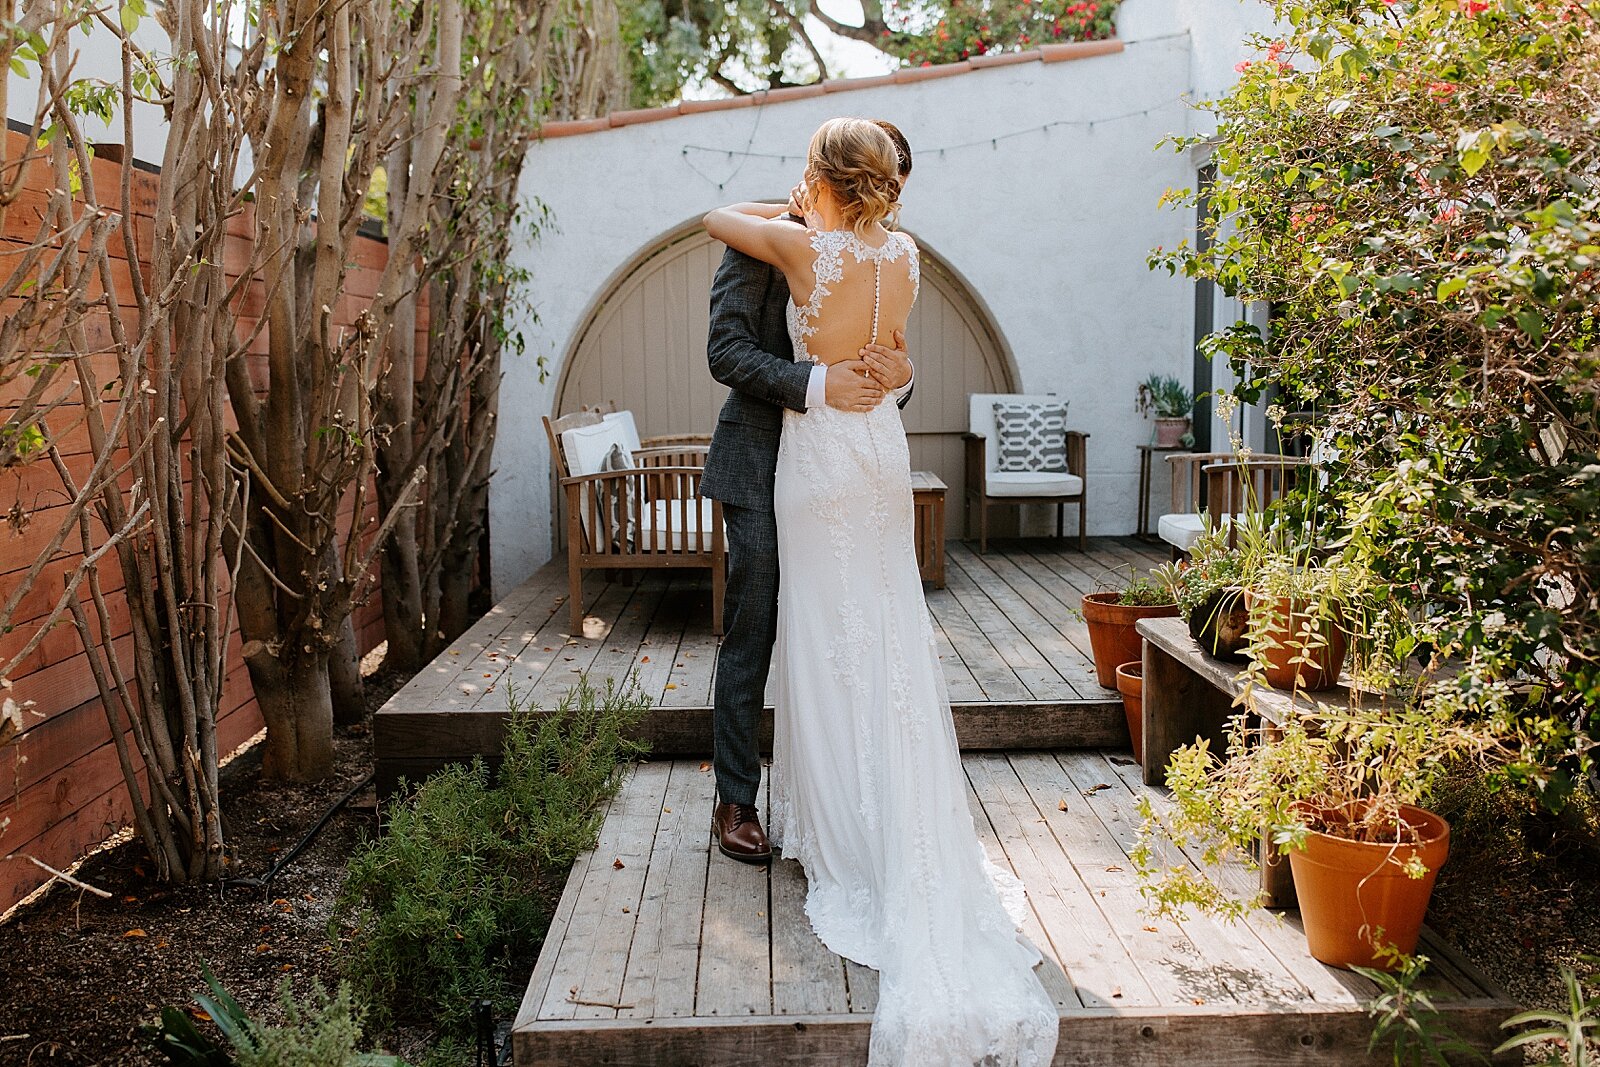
[[82, 974], [1520, 894]]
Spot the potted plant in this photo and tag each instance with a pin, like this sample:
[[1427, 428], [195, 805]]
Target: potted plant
[[1171, 404], [1298, 629], [1336, 790], [1130, 683], [1210, 594], [1112, 614]]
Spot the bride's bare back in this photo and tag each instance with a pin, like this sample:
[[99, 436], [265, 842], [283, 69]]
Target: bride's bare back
[[856, 291]]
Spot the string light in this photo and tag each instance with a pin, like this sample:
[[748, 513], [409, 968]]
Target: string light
[[993, 142]]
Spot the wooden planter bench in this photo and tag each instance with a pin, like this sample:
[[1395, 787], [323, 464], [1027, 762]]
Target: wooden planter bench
[[1189, 694]]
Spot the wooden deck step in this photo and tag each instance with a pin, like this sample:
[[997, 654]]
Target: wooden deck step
[[1014, 651], [663, 952]]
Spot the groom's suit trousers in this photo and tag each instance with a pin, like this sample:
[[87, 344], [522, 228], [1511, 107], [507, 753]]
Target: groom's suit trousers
[[750, 622]]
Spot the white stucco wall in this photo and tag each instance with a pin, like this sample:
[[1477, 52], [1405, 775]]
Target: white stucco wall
[[97, 57], [1051, 229]]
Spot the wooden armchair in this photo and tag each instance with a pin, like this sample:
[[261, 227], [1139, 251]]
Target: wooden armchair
[[1224, 486], [988, 486], [1236, 486], [647, 514]]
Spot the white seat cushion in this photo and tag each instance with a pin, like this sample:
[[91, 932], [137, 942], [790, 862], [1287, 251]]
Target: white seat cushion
[[664, 526], [1033, 483], [1181, 530]]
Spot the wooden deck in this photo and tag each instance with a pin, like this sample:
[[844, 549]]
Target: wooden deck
[[662, 952], [1016, 656]]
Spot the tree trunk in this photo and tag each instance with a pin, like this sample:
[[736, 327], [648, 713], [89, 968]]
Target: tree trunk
[[404, 622], [298, 709], [345, 686]]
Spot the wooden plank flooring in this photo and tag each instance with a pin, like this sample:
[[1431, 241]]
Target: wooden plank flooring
[[1006, 627], [1005, 618], [663, 952]]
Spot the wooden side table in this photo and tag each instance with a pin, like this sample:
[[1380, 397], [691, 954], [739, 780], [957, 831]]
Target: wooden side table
[[927, 501], [1144, 533]]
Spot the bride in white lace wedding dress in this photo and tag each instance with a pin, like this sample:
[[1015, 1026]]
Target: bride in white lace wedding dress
[[867, 789]]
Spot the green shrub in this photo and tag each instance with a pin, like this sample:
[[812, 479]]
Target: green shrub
[[457, 890], [1409, 186], [321, 1031]]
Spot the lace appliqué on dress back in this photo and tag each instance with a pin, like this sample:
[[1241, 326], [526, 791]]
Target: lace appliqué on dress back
[[830, 247]]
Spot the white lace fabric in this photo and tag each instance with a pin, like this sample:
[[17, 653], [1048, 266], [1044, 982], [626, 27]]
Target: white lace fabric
[[867, 789], [830, 247]]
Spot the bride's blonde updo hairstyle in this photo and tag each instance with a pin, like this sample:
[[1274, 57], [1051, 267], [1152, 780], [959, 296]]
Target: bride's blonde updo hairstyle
[[857, 161]]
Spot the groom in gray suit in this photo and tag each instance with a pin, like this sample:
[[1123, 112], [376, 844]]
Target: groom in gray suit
[[749, 351]]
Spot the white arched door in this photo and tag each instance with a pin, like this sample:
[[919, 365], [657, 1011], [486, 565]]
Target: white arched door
[[643, 348]]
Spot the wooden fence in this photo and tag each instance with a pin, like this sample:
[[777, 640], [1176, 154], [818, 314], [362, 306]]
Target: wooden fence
[[60, 785]]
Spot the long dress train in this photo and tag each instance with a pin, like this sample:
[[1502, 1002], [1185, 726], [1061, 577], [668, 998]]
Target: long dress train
[[867, 789]]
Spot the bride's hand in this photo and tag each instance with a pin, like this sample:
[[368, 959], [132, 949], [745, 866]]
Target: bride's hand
[[800, 205]]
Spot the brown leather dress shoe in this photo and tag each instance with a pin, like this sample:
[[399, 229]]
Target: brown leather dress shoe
[[737, 828]]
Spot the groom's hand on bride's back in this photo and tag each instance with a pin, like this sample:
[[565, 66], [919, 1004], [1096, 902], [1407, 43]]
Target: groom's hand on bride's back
[[889, 367], [851, 387]]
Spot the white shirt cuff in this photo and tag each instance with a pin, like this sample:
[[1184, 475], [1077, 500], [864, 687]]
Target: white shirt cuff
[[899, 394], [817, 388]]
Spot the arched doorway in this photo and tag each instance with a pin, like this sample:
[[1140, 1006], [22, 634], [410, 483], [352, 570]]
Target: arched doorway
[[643, 348]]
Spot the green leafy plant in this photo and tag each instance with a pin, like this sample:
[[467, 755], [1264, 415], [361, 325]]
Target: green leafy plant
[[1406, 1019], [1150, 590], [321, 1031], [1214, 564], [1569, 1029], [1407, 185], [461, 883], [1166, 397]]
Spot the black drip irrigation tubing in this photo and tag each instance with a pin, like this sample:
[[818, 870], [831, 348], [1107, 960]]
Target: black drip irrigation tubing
[[300, 846]]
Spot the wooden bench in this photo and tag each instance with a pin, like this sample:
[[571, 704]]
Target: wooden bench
[[1189, 694]]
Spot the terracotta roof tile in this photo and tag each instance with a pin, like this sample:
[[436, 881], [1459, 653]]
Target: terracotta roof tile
[[574, 126], [1050, 53], [792, 92], [644, 114], [695, 107], [845, 85], [1058, 53], [922, 74], [1004, 59]]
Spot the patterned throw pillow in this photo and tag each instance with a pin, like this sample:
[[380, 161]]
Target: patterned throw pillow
[[1032, 435]]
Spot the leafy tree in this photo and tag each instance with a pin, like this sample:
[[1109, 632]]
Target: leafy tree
[[749, 45], [1412, 186]]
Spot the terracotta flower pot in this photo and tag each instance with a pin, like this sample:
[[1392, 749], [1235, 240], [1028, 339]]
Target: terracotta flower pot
[[1130, 683], [1169, 432], [1323, 662], [1111, 632], [1349, 891], [1220, 624]]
